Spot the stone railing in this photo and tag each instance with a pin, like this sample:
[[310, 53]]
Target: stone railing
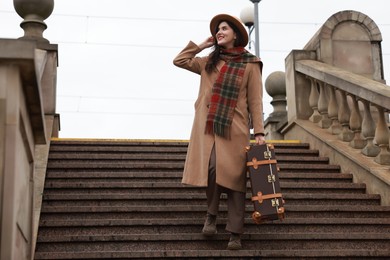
[[343, 115], [337, 100], [353, 107]]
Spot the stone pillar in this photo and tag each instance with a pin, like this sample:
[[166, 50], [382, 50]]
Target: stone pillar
[[368, 131], [382, 135], [346, 134], [355, 123], [333, 110], [313, 100], [323, 104], [298, 87], [275, 85], [24, 129], [27, 111]]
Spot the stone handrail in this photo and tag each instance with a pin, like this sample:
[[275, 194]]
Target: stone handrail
[[342, 103]]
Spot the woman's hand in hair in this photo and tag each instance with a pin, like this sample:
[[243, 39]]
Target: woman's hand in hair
[[207, 43]]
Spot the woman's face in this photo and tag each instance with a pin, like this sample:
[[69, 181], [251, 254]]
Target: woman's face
[[225, 35]]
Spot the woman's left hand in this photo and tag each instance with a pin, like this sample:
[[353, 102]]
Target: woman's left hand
[[259, 139]]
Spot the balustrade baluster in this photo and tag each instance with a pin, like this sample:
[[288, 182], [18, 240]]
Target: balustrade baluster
[[333, 108], [355, 122], [382, 138], [325, 122], [346, 134], [313, 101], [368, 130]]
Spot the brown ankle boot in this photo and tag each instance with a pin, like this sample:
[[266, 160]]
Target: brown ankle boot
[[235, 242], [210, 227]]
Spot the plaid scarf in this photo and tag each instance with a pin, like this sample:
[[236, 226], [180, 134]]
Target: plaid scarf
[[225, 90]]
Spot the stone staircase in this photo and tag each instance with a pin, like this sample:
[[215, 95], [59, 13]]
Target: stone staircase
[[113, 199]]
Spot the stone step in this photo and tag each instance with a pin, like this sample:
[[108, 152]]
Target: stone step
[[163, 187], [114, 165], [331, 199], [200, 199], [309, 167], [66, 149], [321, 187], [221, 254], [199, 212], [112, 149], [172, 226], [285, 179], [56, 160], [283, 159], [119, 157], [171, 176], [315, 177], [134, 146], [119, 199], [107, 143], [290, 151], [220, 221], [172, 165], [193, 241], [326, 225], [104, 144], [133, 175], [183, 210]]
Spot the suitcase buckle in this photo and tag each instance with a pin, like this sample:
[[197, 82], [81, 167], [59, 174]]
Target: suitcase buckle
[[271, 178], [275, 202]]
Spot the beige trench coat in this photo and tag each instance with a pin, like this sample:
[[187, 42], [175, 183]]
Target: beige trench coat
[[230, 154]]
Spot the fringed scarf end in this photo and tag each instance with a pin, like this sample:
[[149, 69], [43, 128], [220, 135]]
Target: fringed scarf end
[[218, 129]]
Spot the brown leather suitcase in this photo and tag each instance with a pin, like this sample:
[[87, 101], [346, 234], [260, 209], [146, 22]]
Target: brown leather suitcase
[[264, 181]]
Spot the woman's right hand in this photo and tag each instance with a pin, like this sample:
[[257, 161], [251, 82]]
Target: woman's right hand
[[207, 43]]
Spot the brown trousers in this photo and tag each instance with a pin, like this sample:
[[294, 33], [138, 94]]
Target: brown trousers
[[235, 200]]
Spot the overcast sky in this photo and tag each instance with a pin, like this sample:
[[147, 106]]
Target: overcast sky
[[116, 78]]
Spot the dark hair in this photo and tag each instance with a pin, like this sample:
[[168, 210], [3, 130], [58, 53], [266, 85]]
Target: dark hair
[[214, 55]]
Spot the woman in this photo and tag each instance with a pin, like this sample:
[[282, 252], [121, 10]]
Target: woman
[[229, 100]]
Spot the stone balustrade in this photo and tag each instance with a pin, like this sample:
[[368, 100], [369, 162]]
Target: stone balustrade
[[351, 106]]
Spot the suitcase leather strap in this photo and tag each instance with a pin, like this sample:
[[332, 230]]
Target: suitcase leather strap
[[260, 197], [255, 163]]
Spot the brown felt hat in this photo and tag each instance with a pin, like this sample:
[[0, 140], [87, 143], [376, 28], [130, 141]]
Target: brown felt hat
[[237, 22]]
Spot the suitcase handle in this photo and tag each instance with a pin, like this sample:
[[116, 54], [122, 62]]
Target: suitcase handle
[[260, 197], [255, 163]]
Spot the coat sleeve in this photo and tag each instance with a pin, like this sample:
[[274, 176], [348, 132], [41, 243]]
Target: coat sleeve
[[187, 59], [255, 99]]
